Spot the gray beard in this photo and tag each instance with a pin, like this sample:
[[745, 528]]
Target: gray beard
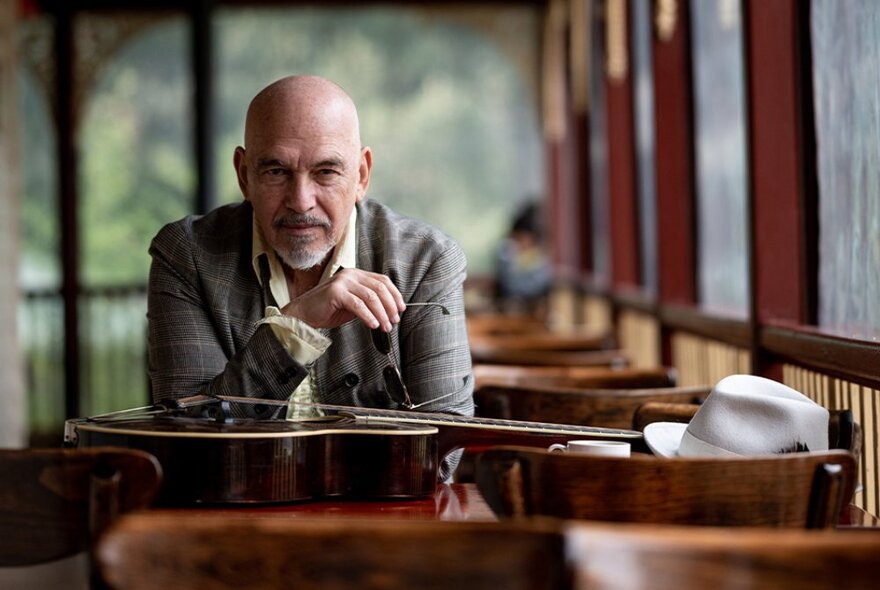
[[300, 258]]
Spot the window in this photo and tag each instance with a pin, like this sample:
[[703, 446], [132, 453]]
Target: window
[[446, 100], [644, 125], [721, 173], [846, 81]]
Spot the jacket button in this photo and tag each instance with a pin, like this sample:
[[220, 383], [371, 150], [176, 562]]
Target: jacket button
[[287, 375]]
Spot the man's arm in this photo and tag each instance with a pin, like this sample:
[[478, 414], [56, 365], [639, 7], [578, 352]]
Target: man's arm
[[434, 350], [192, 346]]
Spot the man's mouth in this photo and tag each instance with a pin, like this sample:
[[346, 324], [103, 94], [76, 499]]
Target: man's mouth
[[301, 225]]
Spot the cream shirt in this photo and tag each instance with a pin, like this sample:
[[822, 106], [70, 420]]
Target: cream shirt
[[304, 343]]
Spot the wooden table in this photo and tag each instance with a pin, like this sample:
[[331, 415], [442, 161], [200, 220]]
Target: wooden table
[[456, 502], [450, 502]]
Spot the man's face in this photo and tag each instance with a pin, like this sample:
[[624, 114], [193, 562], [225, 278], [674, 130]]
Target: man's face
[[302, 181]]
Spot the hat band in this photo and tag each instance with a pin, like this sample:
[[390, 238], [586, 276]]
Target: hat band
[[693, 446]]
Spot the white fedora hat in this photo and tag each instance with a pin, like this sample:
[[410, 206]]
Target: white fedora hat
[[745, 415]]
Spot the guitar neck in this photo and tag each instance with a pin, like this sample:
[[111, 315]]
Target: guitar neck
[[480, 433]]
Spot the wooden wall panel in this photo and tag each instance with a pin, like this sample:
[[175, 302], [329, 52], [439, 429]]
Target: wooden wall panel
[[839, 394]]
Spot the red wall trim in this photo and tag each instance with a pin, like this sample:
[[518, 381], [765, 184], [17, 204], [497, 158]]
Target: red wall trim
[[777, 187], [675, 181], [622, 183]]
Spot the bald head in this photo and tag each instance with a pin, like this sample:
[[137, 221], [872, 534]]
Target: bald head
[[302, 167], [304, 106]]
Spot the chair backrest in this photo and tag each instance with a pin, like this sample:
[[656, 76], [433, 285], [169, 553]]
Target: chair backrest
[[162, 549], [792, 490], [57, 501], [481, 353], [490, 324], [577, 377], [548, 341], [609, 408], [663, 411], [632, 557]]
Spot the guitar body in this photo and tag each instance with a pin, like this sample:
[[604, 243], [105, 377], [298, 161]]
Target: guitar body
[[275, 461], [357, 453]]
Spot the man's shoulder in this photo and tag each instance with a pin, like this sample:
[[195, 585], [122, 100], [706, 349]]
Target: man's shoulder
[[378, 221], [218, 228]]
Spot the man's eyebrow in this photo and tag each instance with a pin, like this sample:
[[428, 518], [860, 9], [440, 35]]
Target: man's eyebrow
[[268, 162], [330, 163]]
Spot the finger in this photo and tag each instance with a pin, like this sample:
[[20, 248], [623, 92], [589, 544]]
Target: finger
[[393, 291], [357, 306], [390, 297], [375, 305]]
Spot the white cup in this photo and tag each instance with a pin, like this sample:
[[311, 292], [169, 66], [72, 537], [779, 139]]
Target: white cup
[[599, 448]]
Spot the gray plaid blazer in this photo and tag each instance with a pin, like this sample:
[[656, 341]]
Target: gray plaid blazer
[[204, 302]]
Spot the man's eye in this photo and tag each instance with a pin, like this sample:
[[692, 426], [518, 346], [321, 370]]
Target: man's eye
[[326, 171], [275, 171]]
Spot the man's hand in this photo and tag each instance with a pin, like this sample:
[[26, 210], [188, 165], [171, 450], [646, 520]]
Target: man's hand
[[349, 294]]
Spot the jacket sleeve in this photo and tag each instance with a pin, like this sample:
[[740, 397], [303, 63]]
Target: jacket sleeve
[[434, 350], [192, 345]]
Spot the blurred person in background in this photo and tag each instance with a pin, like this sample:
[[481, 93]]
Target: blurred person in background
[[523, 274]]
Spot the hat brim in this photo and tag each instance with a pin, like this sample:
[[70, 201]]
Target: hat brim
[[664, 438]]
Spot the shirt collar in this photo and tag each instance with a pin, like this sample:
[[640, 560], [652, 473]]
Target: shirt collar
[[344, 256]]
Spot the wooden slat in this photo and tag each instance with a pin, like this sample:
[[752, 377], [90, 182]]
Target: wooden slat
[[837, 394], [701, 361]]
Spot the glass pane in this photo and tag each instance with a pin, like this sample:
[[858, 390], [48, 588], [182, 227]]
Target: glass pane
[[719, 109], [447, 101], [136, 174], [846, 82], [137, 169], [40, 314], [599, 154], [40, 267], [644, 125]]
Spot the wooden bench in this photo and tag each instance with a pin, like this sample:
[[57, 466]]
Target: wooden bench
[[790, 490], [609, 408], [579, 377]]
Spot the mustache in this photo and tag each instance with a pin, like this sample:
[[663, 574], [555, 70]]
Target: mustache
[[300, 219]]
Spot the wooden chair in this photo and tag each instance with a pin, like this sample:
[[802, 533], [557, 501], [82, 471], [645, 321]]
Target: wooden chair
[[609, 408], [550, 358], [843, 431], [606, 406], [163, 549], [633, 557], [495, 324], [487, 354], [793, 490], [57, 501], [579, 377]]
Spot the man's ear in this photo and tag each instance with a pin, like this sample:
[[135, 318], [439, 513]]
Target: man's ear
[[364, 169], [240, 162]]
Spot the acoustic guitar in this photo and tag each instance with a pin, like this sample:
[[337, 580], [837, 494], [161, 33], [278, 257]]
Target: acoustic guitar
[[350, 452]]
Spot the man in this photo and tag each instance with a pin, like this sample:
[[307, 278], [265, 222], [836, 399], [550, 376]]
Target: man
[[275, 297]]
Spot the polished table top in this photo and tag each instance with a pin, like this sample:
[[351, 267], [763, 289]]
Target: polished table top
[[450, 502]]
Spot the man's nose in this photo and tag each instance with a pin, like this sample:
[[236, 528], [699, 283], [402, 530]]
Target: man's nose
[[301, 196]]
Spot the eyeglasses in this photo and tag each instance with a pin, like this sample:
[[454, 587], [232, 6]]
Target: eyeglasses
[[395, 388]]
